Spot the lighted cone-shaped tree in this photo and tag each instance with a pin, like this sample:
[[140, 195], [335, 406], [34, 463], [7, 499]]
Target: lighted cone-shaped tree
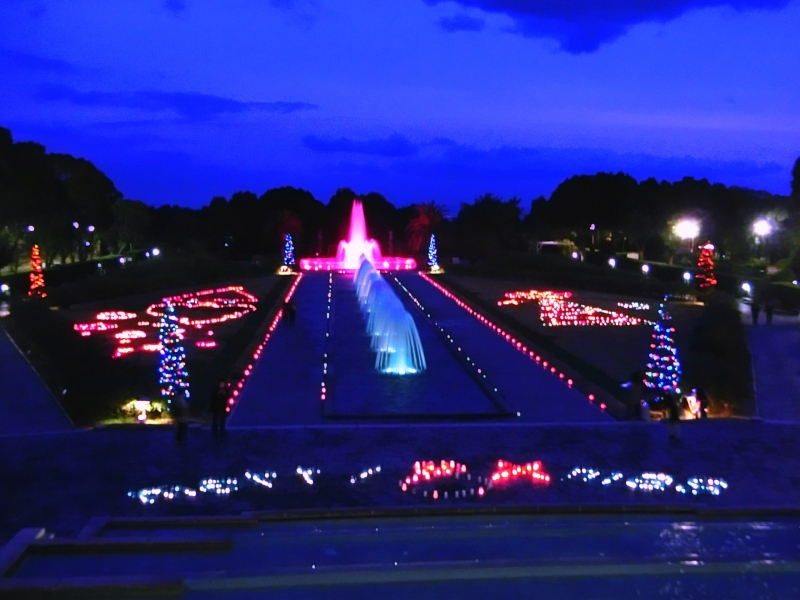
[[37, 276], [172, 373], [433, 255], [288, 251], [663, 370], [705, 278]]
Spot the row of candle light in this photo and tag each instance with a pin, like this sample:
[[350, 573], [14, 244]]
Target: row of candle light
[[449, 478], [518, 345], [323, 392], [652, 482]]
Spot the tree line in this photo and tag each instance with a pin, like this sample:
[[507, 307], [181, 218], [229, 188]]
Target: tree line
[[77, 213]]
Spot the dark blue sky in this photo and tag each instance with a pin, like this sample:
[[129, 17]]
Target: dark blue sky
[[181, 100]]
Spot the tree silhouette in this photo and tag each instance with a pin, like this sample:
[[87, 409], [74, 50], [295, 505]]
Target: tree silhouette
[[427, 218]]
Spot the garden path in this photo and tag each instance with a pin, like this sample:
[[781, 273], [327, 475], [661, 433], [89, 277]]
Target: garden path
[[26, 405], [775, 352]]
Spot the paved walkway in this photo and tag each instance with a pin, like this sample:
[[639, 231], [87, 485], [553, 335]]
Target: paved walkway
[[26, 405], [537, 395], [775, 352], [284, 386]]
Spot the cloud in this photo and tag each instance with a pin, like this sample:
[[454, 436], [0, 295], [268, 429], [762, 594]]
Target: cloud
[[393, 146], [581, 26], [461, 23], [187, 104], [12, 58]]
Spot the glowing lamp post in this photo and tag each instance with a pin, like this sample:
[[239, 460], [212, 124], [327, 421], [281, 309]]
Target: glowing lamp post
[[687, 229], [762, 229]]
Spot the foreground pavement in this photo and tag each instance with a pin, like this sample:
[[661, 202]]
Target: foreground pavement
[[61, 481]]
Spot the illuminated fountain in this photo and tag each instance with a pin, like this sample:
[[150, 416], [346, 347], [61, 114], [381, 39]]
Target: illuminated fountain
[[394, 335], [354, 247]]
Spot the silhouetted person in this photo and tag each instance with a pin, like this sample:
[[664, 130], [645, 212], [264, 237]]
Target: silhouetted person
[[180, 414], [768, 310], [702, 398], [755, 309], [218, 407], [673, 416], [290, 311], [644, 410]]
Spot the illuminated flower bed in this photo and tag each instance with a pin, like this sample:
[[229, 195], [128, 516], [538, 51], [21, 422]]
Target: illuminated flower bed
[[556, 310], [199, 312]]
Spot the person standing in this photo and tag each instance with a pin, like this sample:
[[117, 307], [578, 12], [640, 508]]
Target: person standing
[[755, 309], [768, 310], [180, 414], [218, 407], [673, 416]]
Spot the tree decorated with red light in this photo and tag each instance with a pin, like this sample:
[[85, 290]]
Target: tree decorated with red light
[[706, 278], [37, 275]]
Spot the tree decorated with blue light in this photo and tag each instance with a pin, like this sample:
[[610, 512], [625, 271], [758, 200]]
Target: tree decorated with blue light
[[172, 373], [288, 251], [433, 254], [663, 371]]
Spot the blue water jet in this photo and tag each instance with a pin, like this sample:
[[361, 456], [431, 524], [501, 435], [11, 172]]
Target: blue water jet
[[394, 335]]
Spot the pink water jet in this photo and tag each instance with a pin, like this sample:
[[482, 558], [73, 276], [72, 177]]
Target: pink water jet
[[350, 251]]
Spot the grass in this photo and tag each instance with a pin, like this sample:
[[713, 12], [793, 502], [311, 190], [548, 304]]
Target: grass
[[718, 358], [91, 385]]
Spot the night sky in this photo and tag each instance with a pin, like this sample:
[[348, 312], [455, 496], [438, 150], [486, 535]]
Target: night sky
[[181, 100]]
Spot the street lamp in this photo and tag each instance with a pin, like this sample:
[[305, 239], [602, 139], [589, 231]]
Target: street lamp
[[687, 277], [30, 228], [687, 229], [612, 262], [762, 228], [646, 269]]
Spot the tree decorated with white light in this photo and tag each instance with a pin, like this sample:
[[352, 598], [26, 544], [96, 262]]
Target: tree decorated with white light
[[172, 374], [663, 371], [288, 251], [433, 254]]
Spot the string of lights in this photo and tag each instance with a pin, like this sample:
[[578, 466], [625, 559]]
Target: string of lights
[[172, 374], [37, 275], [705, 262], [233, 302], [457, 348], [365, 475], [663, 369], [441, 480], [506, 472], [447, 479], [288, 251], [433, 256], [555, 310]]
